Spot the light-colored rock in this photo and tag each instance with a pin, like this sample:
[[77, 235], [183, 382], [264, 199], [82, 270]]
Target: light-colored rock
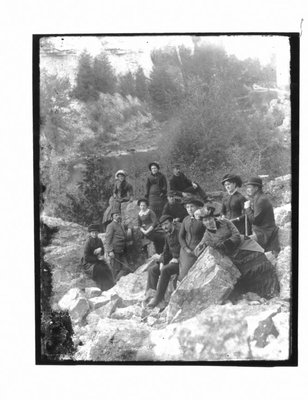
[[76, 304], [92, 292], [209, 281], [283, 214], [279, 190], [284, 272], [97, 302], [285, 235], [130, 312], [106, 310]]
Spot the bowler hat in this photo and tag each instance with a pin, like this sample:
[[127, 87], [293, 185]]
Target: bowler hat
[[211, 209], [192, 200], [154, 163], [164, 218], [93, 227], [121, 172], [256, 181], [142, 201], [232, 178]]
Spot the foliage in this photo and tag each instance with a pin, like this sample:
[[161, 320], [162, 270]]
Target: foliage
[[104, 75]]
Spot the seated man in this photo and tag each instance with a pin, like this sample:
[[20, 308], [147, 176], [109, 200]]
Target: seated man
[[159, 274], [180, 184], [116, 243], [173, 208], [260, 214]]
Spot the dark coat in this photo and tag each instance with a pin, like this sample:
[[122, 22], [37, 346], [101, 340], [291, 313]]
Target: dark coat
[[176, 210], [233, 209], [261, 217], [172, 245], [89, 259], [181, 184], [157, 183], [191, 232], [116, 237], [123, 191]]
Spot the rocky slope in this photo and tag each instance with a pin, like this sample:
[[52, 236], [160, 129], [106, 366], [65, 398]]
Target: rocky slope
[[195, 326]]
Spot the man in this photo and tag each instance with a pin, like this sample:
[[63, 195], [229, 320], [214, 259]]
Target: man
[[260, 214], [159, 274], [182, 185], [116, 242], [173, 208]]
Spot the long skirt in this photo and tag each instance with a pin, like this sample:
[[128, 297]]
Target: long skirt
[[258, 275], [186, 262], [101, 274]]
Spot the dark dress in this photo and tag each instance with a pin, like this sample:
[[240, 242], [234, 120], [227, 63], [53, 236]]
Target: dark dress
[[98, 270], [156, 192], [157, 237], [233, 209], [257, 273], [181, 183], [176, 210]]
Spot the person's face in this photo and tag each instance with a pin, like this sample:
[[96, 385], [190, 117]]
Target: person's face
[[154, 169], [251, 190], [210, 223], [94, 234], [167, 226], [171, 199], [230, 186], [176, 171], [117, 217], [143, 206], [191, 208], [121, 177]]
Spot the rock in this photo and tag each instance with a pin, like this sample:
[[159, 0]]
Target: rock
[[76, 304], [285, 235], [283, 214], [220, 333], [209, 281], [130, 312], [97, 302], [104, 311], [130, 212], [284, 273], [92, 292], [279, 190]]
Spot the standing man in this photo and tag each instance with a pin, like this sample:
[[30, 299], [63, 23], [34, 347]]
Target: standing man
[[260, 213], [159, 274], [116, 243], [180, 184], [173, 208]]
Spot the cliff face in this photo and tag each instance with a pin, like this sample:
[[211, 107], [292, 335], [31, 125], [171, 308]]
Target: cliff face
[[116, 326]]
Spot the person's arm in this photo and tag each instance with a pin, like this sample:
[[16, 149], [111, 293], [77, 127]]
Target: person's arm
[[109, 238], [256, 216], [164, 186], [89, 257], [147, 188], [182, 238], [224, 208], [242, 216], [234, 240], [154, 221]]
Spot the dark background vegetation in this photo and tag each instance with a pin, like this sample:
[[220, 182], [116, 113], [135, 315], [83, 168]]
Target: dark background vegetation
[[195, 107]]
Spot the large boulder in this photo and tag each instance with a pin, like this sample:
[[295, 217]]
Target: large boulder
[[284, 272], [285, 235], [279, 190], [283, 214], [223, 333], [75, 303], [209, 281]]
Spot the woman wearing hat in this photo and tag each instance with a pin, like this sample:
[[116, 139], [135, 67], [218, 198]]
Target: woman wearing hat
[[191, 233], [147, 222], [233, 203], [156, 189], [94, 262], [257, 273], [122, 190]]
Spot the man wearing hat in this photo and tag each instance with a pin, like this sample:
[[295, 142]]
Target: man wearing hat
[[190, 235], [174, 208], [159, 274], [260, 213], [116, 243], [180, 184], [233, 203], [94, 262]]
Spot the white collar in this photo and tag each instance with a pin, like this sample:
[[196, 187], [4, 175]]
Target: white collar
[[235, 190], [141, 213]]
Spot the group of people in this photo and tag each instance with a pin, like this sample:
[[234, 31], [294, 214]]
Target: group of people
[[181, 223]]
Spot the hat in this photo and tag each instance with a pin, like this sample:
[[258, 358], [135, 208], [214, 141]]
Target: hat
[[232, 178], [154, 163], [192, 200], [164, 218], [142, 201], [172, 193], [256, 181], [210, 210], [121, 172], [93, 227]]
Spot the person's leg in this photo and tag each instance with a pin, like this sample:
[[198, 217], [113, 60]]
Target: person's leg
[[102, 276], [158, 239], [166, 272], [124, 269], [153, 276]]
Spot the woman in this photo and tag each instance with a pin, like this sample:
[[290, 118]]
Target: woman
[[191, 233], [257, 273], [233, 203], [156, 189], [94, 262], [147, 222]]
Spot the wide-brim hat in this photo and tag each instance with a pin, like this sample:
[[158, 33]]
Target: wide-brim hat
[[232, 178], [256, 181], [121, 172], [94, 227], [192, 200], [143, 201], [164, 218], [154, 163]]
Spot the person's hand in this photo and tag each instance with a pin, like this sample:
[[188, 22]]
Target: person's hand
[[111, 254], [188, 251], [161, 266], [97, 251], [143, 231], [174, 261], [176, 220], [101, 258], [194, 185], [222, 217], [247, 204]]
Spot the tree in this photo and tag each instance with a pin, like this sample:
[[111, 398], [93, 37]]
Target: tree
[[127, 85], [104, 75], [142, 91], [85, 80]]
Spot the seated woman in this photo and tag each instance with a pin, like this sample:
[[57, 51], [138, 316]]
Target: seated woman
[[233, 203], [258, 275], [147, 222], [94, 262]]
